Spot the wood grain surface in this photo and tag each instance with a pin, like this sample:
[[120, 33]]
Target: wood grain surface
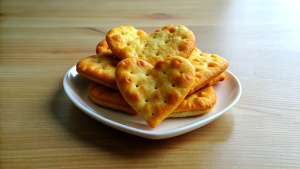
[[41, 128]]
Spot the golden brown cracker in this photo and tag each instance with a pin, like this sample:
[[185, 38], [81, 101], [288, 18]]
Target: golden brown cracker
[[207, 67], [108, 78], [215, 80], [200, 102], [102, 47], [99, 68], [108, 97], [154, 91], [170, 40], [119, 37]]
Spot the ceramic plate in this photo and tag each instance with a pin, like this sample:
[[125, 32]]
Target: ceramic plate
[[75, 85]]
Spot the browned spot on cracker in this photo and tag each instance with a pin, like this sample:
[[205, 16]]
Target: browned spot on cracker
[[140, 33], [140, 63], [183, 80], [147, 108], [158, 110], [183, 47], [199, 102], [135, 97], [212, 64], [159, 65], [200, 94], [157, 95], [172, 98], [172, 30], [142, 89], [117, 37], [176, 63], [198, 75], [127, 80]]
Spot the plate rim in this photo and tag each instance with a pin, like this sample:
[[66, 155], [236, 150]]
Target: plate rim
[[139, 132]]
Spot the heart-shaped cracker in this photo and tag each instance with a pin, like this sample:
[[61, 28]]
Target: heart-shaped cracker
[[171, 40], [119, 37], [99, 68], [155, 91], [207, 67]]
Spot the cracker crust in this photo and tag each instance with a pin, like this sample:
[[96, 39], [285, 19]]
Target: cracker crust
[[102, 47], [99, 68], [200, 102], [107, 97], [207, 67], [204, 98], [215, 80]]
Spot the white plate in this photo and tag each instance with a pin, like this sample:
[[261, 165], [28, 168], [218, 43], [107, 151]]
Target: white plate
[[75, 85]]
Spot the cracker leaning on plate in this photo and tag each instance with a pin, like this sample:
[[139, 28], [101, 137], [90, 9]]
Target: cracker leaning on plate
[[200, 102], [99, 68], [207, 67], [156, 76]]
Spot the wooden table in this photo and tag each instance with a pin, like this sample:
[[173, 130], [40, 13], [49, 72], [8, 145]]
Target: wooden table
[[41, 128]]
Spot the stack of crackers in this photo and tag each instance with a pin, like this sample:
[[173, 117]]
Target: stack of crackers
[[156, 76]]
